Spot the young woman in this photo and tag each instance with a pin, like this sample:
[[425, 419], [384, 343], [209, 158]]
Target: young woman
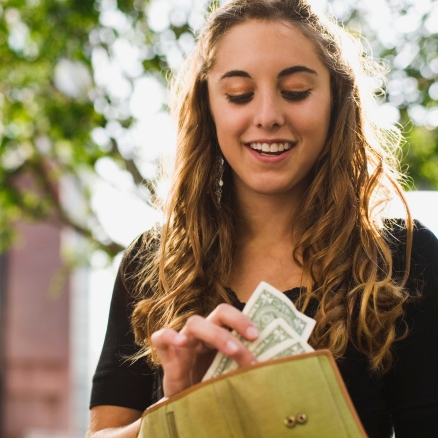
[[281, 175]]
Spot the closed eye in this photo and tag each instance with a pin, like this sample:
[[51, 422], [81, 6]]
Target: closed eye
[[240, 99], [295, 96]]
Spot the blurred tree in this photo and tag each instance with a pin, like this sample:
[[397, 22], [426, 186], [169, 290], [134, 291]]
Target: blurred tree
[[404, 34], [51, 105], [70, 71]]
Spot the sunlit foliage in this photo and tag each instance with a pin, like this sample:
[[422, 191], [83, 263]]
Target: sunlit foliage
[[71, 72]]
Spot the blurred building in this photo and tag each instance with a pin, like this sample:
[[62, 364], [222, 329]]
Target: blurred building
[[43, 385]]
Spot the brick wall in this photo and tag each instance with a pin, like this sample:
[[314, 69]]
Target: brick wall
[[36, 376]]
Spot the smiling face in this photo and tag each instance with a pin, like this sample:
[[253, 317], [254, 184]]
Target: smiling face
[[270, 100]]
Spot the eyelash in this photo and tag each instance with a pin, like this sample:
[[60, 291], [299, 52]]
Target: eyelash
[[293, 96], [240, 99]]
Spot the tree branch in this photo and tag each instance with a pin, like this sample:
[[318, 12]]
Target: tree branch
[[61, 217], [133, 169]]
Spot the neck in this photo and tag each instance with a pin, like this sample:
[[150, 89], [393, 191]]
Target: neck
[[269, 218]]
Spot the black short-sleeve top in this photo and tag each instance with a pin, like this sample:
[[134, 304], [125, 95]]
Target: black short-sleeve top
[[405, 400]]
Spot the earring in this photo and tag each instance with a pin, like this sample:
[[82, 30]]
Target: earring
[[219, 171]]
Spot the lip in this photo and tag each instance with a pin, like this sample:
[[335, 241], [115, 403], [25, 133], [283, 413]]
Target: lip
[[271, 159], [269, 141]]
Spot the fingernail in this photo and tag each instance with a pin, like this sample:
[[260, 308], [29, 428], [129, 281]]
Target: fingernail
[[254, 362], [252, 332], [231, 347]]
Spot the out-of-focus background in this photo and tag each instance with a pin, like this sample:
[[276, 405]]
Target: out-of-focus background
[[85, 138]]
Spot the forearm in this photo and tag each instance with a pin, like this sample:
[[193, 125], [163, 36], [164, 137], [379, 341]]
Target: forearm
[[129, 431], [114, 422]]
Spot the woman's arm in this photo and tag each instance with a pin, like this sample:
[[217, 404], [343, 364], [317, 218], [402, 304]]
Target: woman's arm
[[185, 357], [122, 389], [113, 422]]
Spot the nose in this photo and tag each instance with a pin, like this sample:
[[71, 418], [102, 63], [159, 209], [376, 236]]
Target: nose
[[269, 111]]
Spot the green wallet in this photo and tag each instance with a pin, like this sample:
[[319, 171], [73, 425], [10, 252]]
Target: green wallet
[[296, 396]]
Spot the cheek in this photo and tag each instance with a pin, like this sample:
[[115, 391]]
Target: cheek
[[315, 120], [229, 123], [218, 113]]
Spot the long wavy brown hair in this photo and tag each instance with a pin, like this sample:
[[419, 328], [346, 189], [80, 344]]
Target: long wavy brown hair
[[343, 251]]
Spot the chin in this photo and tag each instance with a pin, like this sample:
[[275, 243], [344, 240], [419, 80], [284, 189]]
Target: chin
[[273, 191]]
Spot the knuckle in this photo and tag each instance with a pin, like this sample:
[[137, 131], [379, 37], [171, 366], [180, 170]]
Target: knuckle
[[192, 321], [158, 334], [221, 309], [157, 339]]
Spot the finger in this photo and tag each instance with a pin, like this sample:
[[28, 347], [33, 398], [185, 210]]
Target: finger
[[200, 329], [166, 341], [176, 360], [175, 350], [228, 316], [164, 338]]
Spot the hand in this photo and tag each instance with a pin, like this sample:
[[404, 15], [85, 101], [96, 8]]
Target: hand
[[186, 356]]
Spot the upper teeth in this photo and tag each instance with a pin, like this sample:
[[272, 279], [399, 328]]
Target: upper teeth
[[273, 147]]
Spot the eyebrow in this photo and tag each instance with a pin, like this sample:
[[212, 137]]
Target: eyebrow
[[296, 69], [235, 73], [286, 72]]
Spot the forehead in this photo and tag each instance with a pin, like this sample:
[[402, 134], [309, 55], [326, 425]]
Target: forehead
[[273, 44]]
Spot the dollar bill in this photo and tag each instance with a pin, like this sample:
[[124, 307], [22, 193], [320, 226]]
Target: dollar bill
[[276, 337], [277, 320], [220, 364], [268, 303], [289, 348], [273, 334]]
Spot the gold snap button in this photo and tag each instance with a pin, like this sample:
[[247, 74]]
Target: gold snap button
[[301, 418], [290, 421]]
